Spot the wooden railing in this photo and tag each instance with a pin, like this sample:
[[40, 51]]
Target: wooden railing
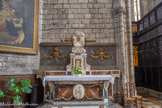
[[149, 21]]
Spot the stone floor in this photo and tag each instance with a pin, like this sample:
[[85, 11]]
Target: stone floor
[[111, 105], [151, 102], [148, 102]]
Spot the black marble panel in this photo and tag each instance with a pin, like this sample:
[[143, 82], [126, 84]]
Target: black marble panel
[[50, 64], [98, 63], [60, 64]]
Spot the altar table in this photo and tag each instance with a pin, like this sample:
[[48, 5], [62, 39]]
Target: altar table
[[79, 80]]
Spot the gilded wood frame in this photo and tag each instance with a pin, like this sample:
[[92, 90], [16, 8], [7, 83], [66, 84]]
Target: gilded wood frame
[[26, 50]]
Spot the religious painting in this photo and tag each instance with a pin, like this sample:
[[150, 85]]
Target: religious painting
[[19, 26]]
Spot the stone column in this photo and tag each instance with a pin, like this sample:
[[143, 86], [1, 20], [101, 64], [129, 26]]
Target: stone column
[[132, 9], [130, 42], [119, 27]]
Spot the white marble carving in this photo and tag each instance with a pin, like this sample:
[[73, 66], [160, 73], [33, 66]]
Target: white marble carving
[[78, 91], [78, 42], [78, 57]]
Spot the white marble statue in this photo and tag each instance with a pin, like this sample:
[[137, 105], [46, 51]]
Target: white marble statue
[[78, 42]]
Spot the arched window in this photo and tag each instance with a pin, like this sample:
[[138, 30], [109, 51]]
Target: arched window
[[137, 13]]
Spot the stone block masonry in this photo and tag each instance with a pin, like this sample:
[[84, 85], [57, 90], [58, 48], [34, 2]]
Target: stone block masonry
[[13, 64], [61, 18]]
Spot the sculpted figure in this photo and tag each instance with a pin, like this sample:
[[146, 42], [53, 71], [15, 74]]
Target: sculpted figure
[[78, 42]]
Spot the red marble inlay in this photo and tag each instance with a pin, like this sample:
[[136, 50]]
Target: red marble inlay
[[69, 73], [55, 73], [101, 73], [115, 72], [87, 73], [65, 92], [108, 73]]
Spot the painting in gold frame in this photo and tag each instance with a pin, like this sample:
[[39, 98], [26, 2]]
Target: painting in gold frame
[[19, 26]]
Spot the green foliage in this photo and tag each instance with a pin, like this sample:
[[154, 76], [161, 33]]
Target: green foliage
[[77, 70], [12, 80], [11, 86], [26, 83], [17, 90], [2, 94], [17, 100], [26, 86], [26, 90]]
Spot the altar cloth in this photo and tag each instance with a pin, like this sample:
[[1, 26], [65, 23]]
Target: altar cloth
[[76, 78]]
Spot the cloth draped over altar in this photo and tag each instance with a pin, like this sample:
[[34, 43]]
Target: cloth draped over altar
[[76, 78]]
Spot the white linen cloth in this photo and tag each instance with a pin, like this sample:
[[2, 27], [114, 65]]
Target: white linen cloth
[[76, 78]]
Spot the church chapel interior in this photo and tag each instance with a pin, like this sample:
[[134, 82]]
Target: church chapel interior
[[80, 53]]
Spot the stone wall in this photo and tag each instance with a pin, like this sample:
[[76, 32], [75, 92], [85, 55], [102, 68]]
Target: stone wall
[[61, 18], [12, 64]]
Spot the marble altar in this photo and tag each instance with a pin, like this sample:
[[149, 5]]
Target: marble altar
[[64, 87]]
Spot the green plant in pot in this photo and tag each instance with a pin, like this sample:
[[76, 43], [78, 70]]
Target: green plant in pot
[[16, 90], [77, 70]]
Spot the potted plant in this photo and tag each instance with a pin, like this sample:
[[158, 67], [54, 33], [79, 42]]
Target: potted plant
[[78, 71], [16, 90]]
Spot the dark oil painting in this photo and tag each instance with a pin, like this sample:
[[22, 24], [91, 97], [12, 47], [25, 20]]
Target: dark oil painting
[[17, 23]]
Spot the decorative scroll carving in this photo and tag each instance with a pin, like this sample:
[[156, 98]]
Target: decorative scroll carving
[[102, 54], [56, 54], [78, 91]]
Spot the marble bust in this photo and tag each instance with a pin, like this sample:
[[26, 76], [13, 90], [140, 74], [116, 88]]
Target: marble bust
[[78, 42]]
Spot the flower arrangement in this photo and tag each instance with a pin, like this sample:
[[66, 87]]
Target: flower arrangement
[[77, 70]]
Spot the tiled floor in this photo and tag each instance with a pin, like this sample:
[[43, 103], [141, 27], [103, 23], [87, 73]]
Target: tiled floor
[[151, 102]]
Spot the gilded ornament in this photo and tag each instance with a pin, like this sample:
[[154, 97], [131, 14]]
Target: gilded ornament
[[101, 53], [56, 54]]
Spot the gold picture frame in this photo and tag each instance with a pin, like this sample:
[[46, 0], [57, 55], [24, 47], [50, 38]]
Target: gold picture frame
[[24, 20]]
